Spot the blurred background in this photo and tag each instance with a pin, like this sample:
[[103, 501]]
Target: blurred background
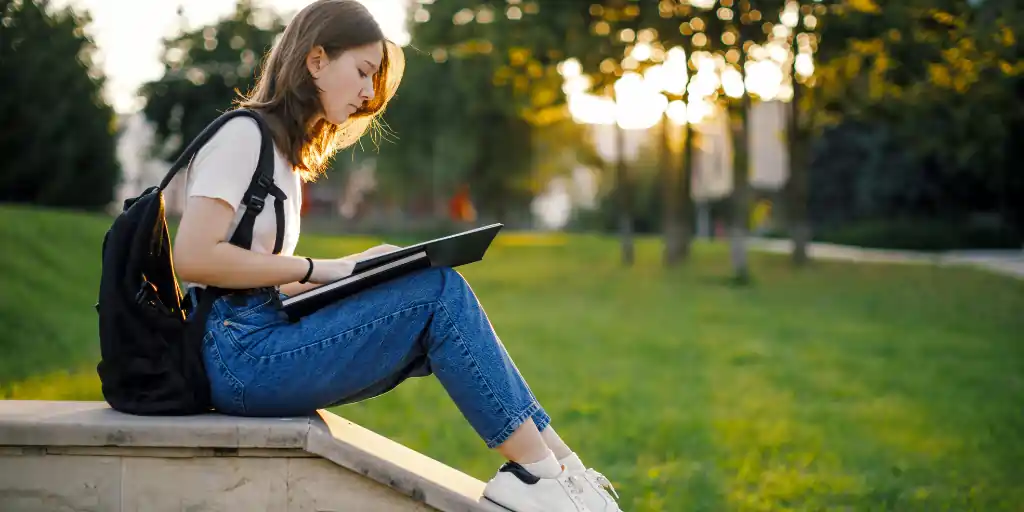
[[759, 255]]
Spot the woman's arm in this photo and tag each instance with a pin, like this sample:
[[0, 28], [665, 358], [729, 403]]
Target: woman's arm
[[202, 255], [297, 288]]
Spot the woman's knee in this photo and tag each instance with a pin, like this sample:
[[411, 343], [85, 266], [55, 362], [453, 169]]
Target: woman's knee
[[454, 285], [427, 284], [449, 274]]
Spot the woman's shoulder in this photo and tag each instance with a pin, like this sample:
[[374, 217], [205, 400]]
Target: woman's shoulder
[[238, 136], [239, 130], [235, 143]]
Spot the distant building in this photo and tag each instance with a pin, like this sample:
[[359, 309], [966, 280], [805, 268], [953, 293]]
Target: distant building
[[768, 153], [139, 168]]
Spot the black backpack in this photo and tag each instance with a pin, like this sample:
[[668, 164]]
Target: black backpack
[[150, 334]]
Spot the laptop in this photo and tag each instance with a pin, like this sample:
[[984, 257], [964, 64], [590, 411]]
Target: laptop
[[450, 251]]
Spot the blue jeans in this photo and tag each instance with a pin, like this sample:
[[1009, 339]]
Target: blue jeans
[[429, 322]]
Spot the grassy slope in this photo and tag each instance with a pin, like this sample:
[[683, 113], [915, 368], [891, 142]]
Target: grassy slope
[[49, 274], [864, 387]]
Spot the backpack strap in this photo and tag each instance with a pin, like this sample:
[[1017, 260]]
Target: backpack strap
[[261, 184]]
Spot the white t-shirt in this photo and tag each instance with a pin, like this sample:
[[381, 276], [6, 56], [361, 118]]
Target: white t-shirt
[[222, 169]]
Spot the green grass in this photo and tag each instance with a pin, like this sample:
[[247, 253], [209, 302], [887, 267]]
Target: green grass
[[838, 387]]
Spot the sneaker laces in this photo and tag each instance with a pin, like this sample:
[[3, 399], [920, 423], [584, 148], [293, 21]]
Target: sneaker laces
[[575, 492], [601, 482]]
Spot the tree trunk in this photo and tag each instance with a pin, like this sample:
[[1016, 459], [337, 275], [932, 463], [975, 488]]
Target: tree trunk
[[671, 217], [740, 193], [797, 186], [625, 194], [686, 190], [437, 203], [679, 208]]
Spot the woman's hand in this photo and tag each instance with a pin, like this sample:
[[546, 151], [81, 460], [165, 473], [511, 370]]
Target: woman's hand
[[377, 251]]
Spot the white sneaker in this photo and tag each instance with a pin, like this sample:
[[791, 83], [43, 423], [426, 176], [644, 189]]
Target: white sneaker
[[595, 490], [518, 490], [594, 485]]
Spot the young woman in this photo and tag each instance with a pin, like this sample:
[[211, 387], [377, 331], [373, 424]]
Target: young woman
[[330, 74]]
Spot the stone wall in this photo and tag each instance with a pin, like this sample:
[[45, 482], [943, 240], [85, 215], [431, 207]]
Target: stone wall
[[83, 456]]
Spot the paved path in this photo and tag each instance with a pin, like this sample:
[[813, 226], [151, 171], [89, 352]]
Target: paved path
[[1006, 262]]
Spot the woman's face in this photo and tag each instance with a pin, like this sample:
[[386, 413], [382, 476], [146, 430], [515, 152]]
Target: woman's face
[[346, 82]]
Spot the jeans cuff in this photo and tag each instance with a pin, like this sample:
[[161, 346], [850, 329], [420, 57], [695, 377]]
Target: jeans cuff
[[541, 419], [513, 424]]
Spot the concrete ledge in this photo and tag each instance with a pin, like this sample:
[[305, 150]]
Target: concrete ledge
[[86, 456]]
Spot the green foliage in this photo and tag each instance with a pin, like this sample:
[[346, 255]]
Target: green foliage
[[58, 140], [450, 127], [205, 71], [723, 26], [924, 234], [472, 102], [835, 387], [50, 275], [942, 80], [514, 56]]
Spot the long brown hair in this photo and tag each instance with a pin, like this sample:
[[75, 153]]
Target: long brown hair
[[286, 95]]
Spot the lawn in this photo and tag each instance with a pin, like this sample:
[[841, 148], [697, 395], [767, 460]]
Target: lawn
[[838, 387]]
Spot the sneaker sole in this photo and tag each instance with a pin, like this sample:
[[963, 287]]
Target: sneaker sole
[[499, 504], [507, 499]]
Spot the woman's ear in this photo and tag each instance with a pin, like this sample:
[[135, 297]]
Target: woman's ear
[[316, 59]]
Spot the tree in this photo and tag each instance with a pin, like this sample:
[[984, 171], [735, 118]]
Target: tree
[[205, 69], [717, 38], [627, 30], [481, 78], [941, 81], [449, 126], [603, 67], [58, 138]]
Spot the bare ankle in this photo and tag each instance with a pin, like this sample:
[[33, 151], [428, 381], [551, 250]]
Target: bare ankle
[[555, 443], [525, 445]]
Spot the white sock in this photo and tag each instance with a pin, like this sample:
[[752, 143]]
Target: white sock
[[548, 467], [572, 462], [555, 442]]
